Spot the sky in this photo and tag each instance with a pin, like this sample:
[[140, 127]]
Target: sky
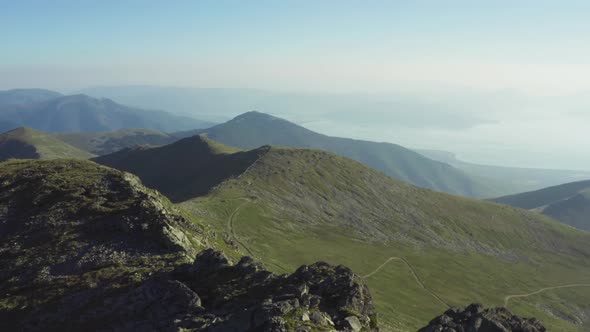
[[521, 67]]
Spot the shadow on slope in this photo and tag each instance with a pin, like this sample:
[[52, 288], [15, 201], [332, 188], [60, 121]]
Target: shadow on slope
[[185, 169]]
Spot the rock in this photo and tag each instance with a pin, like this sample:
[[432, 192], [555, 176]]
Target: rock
[[304, 317], [247, 287], [475, 318], [352, 323], [320, 318]]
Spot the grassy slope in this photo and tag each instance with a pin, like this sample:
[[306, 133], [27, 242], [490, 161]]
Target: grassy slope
[[568, 203], [109, 142], [298, 206], [253, 129], [26, 143]]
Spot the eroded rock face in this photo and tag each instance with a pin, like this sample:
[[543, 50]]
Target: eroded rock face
[[474, 318]]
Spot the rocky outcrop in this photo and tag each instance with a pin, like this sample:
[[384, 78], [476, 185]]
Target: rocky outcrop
[[213, 295], [474, 318], [245, 296], [69, 229]]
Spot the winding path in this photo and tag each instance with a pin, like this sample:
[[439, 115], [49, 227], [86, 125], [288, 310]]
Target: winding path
[[230, 226], [508, 297], [416, 277], [439, 299]]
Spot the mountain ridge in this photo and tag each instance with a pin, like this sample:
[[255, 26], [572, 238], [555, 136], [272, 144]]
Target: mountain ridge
[[568, 203], [81, 113], [27, 143], [253, 129]]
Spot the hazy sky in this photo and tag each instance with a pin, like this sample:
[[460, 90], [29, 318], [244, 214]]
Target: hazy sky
[[535, 48]]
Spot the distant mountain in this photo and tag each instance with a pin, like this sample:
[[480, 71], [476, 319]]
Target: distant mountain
[[254, 129], [27, 143], [510, 180], [80, 113], [568, 203], [109, 142], [289, 206], [26, 96]]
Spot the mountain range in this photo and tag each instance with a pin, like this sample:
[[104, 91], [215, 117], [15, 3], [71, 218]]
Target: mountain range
[[290, 206], [108, 142], [568, 203], [50, 112], [254, 129]]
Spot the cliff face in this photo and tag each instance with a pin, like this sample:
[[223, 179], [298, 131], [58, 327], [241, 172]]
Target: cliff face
[[85, 247]]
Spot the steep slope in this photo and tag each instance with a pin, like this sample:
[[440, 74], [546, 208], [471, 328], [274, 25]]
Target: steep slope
[[568, 203], [109, 142], [510, 180], [188, 168], [80, 113], [254, 129], [296, 206], [26, 143], [26, 96], [85, 247]]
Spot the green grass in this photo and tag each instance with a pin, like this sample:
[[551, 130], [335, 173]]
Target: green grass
[[459, 278], [306, 205]]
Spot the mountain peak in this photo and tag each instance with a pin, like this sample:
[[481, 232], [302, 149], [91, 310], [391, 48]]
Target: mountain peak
[[202, 142], [256, 116]]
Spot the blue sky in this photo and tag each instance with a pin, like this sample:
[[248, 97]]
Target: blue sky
[[321, 45], [463, 48], [111, 32]]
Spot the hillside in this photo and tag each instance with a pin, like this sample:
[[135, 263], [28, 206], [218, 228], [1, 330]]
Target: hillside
[[188, 168], [254, 129], [80, 113], [296, 206], [512, 180], [86, 248], [568, 203], [26, 143], [109, 142]]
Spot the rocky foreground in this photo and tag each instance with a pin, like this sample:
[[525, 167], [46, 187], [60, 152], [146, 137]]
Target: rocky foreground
[[477, 319], [87, 248]]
